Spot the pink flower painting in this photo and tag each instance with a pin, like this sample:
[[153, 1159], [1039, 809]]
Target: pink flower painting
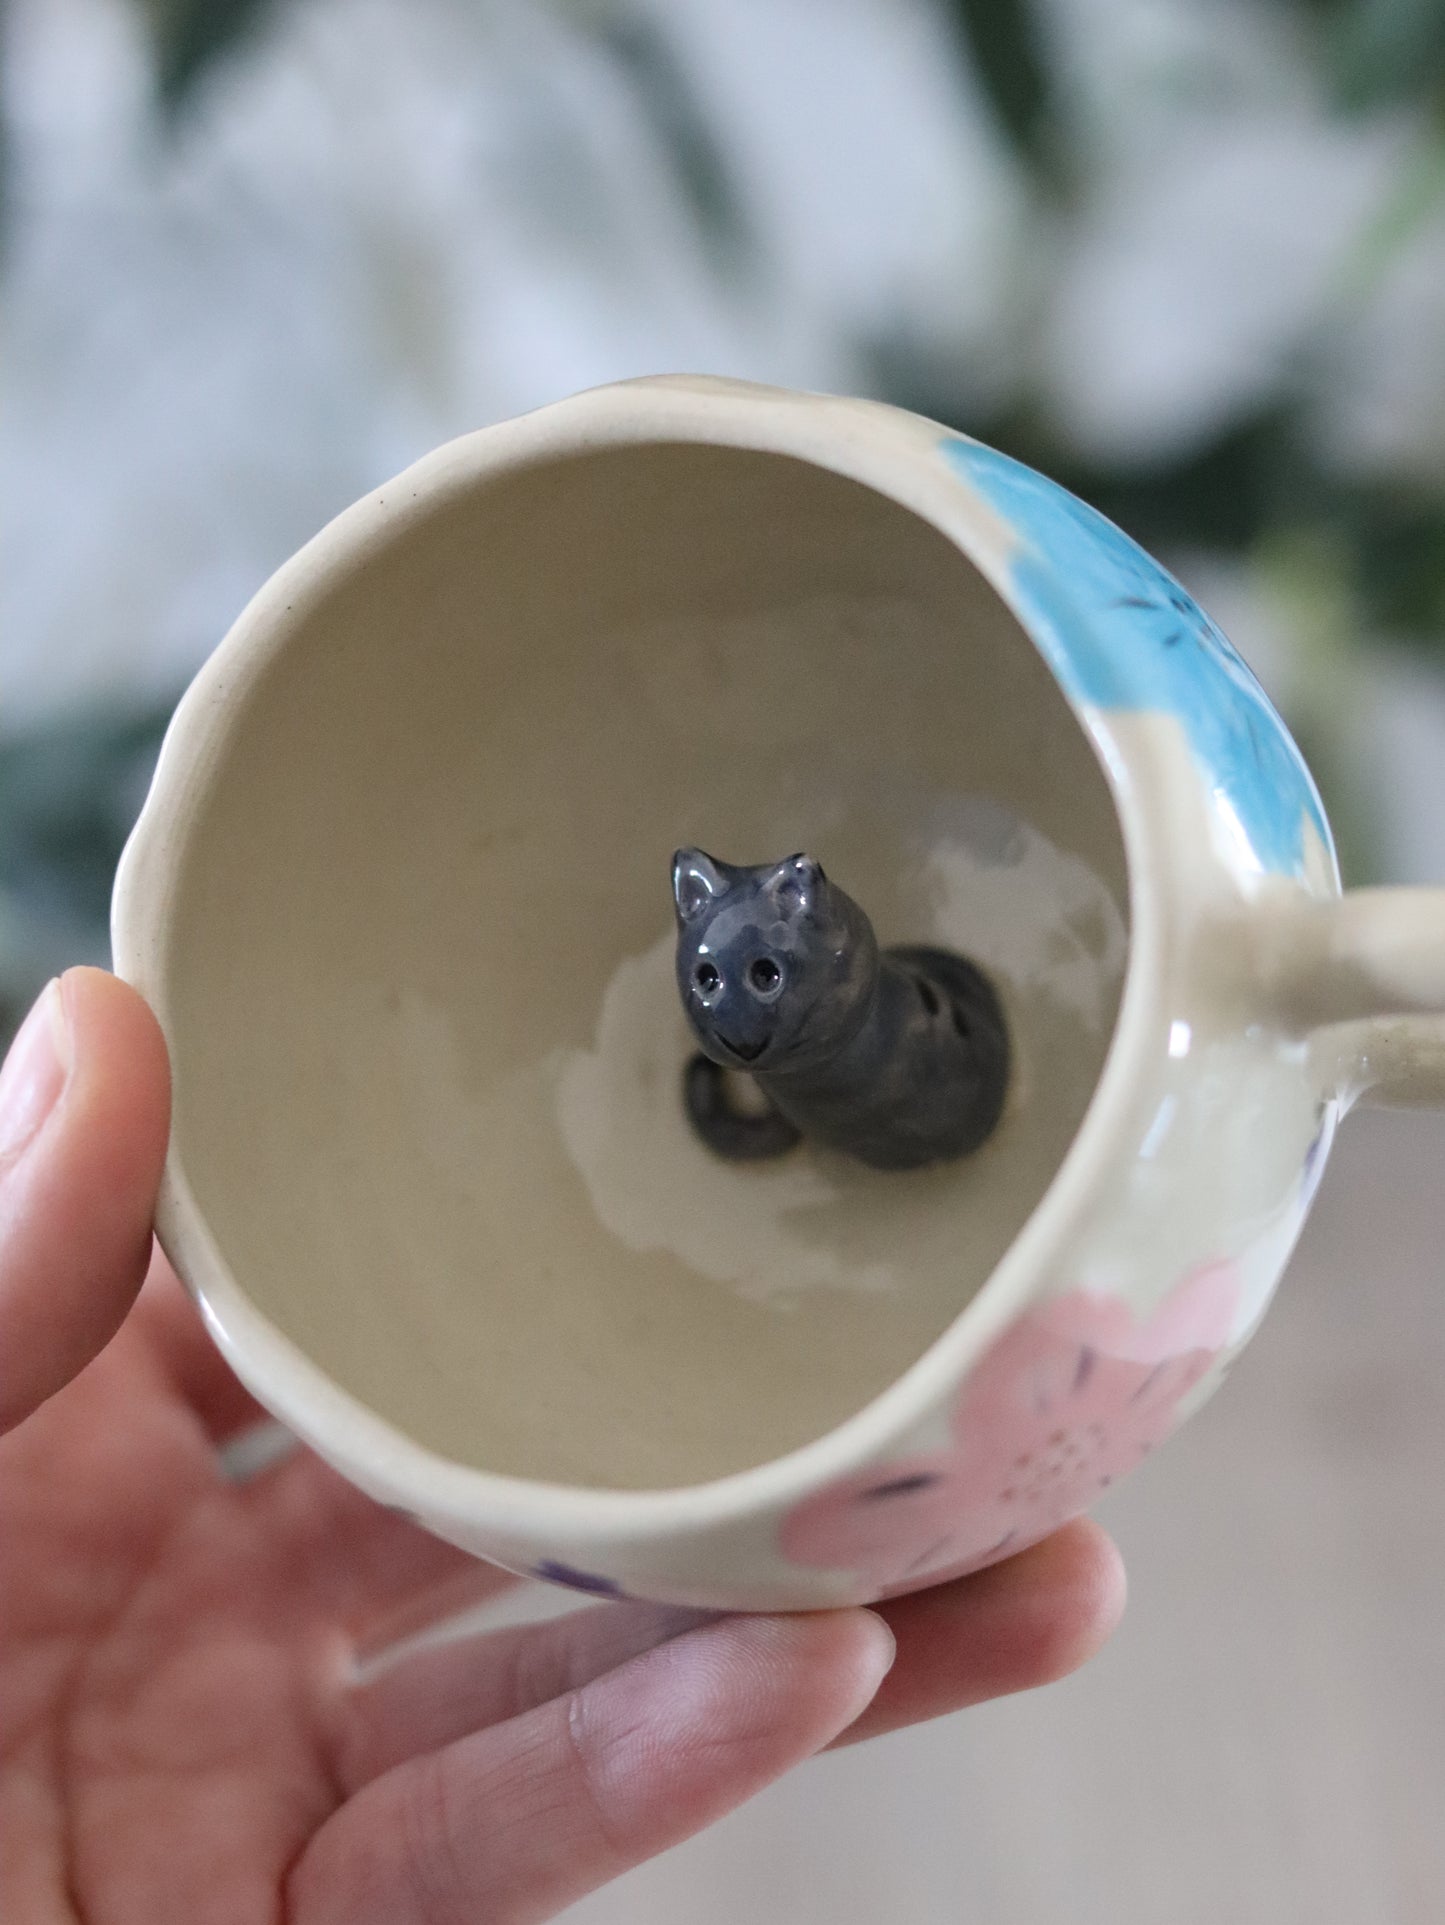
[[1070, 1397]]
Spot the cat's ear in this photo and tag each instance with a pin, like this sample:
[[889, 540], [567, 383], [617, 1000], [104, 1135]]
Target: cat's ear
[[696, 883], [797, 885]]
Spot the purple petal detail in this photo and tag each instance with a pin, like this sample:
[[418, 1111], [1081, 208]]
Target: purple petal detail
[[1143, 1388], [553, 1573], [902, 1486], [929, 1557]]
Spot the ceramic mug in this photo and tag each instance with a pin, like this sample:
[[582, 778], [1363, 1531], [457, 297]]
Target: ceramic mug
[[400, 899]]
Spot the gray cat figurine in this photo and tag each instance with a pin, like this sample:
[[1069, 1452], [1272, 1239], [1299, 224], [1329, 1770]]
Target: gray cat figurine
[[899, 1057]]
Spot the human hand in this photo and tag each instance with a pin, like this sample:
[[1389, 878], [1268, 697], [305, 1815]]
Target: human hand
[[197, 1720]]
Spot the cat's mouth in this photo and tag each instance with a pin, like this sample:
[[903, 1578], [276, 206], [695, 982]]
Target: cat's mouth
[[745, 1052]]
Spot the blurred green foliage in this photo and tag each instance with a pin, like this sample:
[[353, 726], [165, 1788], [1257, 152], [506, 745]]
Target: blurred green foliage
[[1003, 43], [188, 36], [1257, 478], [665, 96], [1353, 557], [1382, 50]]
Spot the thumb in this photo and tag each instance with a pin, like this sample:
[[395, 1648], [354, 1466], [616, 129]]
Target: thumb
[[84, 1114]]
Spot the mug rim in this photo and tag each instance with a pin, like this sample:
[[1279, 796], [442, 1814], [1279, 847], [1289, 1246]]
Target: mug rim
[[878, 446]]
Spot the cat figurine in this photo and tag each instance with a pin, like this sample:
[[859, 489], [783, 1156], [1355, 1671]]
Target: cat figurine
[[898, 1057]]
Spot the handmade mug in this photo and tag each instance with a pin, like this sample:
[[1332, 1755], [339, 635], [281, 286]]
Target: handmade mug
[[400, 899]]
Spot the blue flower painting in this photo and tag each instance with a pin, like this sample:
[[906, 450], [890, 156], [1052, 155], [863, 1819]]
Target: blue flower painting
[[1120, 633]]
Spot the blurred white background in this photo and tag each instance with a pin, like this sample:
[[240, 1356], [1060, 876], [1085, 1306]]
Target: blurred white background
[[256, 255], [1187, 255]]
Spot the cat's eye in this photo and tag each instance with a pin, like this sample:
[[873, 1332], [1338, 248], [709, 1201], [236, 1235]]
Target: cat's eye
[[764, 975], [706, 978]]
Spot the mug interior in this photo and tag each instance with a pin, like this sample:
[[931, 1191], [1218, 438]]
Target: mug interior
[[426, 1039]]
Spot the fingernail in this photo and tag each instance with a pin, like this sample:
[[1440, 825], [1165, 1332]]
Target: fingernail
[[34, 1074], [882, 1650]]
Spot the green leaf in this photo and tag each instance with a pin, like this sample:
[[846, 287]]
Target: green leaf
[[189, 36], [1399, 543], [1377, 51], [69, 792], [1006, 50], [666, 96]]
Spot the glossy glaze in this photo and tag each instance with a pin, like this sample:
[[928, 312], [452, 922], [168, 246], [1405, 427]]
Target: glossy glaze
[[427, 1173], [898, 1057]]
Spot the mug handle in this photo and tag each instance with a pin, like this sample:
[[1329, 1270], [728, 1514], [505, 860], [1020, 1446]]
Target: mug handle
[[1361, 979]]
